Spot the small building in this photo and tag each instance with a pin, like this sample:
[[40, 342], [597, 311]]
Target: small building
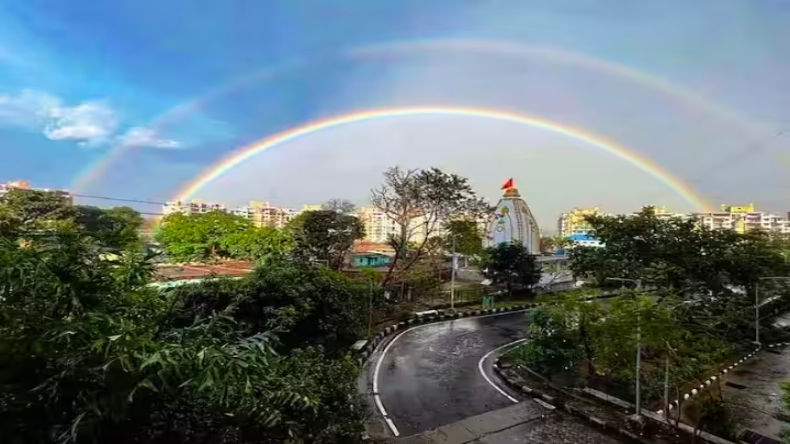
[[583, 240], [370, 260]]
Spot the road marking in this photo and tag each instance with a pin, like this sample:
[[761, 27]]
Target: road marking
[[482, 372], [544, 404], [377, 397]]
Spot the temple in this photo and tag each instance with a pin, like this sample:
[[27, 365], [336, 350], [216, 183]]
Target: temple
[[513, 221]]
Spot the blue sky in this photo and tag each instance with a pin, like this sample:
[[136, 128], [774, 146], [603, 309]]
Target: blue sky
[[80, 79]]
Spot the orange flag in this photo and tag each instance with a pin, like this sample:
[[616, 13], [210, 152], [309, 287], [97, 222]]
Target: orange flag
[[508, 184]]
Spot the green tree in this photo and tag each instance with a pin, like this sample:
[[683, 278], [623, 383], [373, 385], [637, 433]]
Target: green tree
[[24, 211], [419, 202], [550, 346], [326, 236], [465, 236], [258, 244], [509, 263], [116, 228], [199, 236]]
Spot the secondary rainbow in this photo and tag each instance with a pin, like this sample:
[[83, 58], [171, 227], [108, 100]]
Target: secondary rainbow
[[239, 156], [93, 172]]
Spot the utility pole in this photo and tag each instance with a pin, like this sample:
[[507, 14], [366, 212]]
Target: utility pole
[[370, 310], [666, 382], [637, 382], [452, 278]]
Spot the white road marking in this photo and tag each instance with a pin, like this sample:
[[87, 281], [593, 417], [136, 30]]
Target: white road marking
[[376, 396], [482, 372], [544, 404]]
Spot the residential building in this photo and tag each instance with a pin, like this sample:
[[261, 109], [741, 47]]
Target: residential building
[[191, 207], [574, 222], [25, 185], [263, 214], [661, 212], [380, 227], [583, 240], [744, 218]]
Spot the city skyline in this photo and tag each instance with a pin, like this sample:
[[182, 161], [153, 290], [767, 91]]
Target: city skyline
[[102, 98]]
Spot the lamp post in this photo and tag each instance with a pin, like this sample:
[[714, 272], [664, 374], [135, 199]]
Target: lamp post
[[452, 277], [637, 383], [757, 303]]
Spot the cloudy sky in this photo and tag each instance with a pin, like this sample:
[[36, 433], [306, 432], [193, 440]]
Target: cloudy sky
[[136, 99]]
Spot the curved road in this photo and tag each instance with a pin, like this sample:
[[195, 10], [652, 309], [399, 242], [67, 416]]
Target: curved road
[[436, 374]]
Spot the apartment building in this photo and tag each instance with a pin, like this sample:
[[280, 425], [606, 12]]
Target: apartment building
[[379, 227], [191, 207], [573, 222], [25, 185], [743, 218]]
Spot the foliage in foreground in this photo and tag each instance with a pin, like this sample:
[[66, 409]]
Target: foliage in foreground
[[90, 354]]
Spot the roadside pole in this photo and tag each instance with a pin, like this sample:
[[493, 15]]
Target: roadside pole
[[452, 278], [637, 382]]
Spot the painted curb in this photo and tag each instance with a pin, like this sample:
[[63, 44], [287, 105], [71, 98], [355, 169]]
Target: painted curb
[[720, 375], [374, 341]]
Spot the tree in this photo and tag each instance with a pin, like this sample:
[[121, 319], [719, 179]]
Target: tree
[[258, 244], [419, 202], [507, 263], [464, 236], [91, 353], [551, 347], [341, 206], [326, 236], [24, 211], [116, 228], [199, 236]]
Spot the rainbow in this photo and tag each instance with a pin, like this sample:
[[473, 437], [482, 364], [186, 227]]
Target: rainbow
[[239, 156], [94, 171]]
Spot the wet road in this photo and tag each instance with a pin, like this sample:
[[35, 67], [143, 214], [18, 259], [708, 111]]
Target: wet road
[[429, 376]]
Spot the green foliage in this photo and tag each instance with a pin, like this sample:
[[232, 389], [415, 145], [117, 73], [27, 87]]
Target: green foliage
[[325, 236], [201, 236], [465, 236], [550, 346], [116, 228], [89, 353], [341, 206], [510, 263], [258, 244]]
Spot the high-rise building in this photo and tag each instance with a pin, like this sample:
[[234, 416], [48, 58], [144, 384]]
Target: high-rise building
[[380, 227], [25, 185], [574, 222]]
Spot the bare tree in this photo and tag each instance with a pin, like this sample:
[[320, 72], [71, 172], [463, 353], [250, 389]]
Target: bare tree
[[342, 206], [419, 202]]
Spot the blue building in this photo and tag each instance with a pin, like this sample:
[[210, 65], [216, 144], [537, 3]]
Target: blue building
[[363, 260]]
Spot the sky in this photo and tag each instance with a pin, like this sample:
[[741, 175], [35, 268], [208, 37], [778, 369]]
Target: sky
[[135, 100]]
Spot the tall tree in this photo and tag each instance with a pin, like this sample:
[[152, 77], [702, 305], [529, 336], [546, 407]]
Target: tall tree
[[509, 263], [326, 236], [258, 244], [465, 236], [22, 211], [419, 202], [117, 227], [340, 205], [199, 236]]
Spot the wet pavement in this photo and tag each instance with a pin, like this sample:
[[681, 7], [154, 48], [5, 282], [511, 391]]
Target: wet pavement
[[429, 377], [758, 405]]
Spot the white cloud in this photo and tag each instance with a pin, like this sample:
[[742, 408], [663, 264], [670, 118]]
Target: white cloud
[[89, 123], [86, 122], [146, 137]]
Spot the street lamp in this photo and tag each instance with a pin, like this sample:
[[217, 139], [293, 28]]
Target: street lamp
[[452, 277], [757, 303], [638, 403]]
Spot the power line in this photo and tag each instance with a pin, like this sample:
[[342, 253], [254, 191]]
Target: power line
[[90, 196]]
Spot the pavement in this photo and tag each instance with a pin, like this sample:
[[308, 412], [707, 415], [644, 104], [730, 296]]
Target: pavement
[[523, 423], [757, 397], [437, 374]]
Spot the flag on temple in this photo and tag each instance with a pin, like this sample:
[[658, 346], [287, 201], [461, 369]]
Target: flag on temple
[[508, 184]]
